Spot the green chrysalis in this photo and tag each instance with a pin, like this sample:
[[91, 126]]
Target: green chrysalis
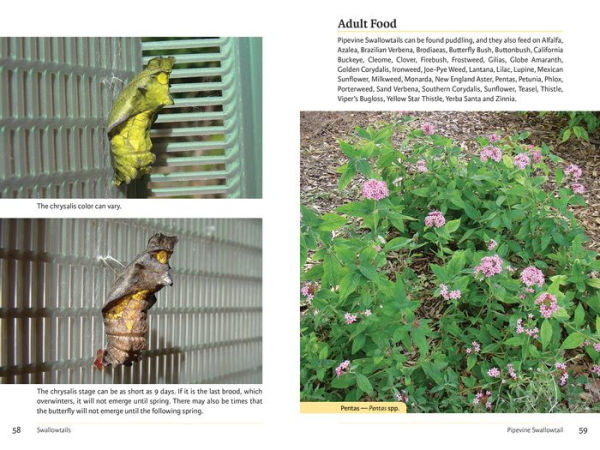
[[131, 117]]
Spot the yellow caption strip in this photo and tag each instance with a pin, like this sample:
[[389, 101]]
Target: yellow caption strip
[[352, 407]]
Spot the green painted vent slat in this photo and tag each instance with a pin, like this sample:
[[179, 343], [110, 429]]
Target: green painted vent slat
[[200, 140], [183, 43], [228, 189]]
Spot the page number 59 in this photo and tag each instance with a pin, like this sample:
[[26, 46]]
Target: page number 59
[[583, 430]]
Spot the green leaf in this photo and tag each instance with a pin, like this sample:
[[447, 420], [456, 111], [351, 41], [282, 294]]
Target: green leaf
[[324, 352], [432, 372], [358, 209], [593, 282], [471, 360], [364, 384], [332, 222], [579, 317], [421, 192], [396, 244], [348, 150], [439, 272], [508, 162], [546, 333], [515, 341], [420, 340], [456, 199], [573, 340], [364, 167], [358, 343], [456, 264], [347, 175], [452, 226], [331, 270], [343, 382], [348, 284], [368, 271], [561, 315]]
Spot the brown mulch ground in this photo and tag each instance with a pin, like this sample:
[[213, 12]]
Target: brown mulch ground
[[320, 154]]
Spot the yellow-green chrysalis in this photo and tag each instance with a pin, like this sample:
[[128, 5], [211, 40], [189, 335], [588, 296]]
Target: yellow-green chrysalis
[[131, 117]]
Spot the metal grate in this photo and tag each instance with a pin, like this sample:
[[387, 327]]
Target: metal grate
[[55, 96], [206, 328], [210, 137]]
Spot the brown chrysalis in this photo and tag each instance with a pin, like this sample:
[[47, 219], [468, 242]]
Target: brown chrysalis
[[131, 295]]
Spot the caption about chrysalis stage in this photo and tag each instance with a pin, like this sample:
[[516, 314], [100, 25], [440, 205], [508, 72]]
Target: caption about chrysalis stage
[[129, 401], [449, 68]]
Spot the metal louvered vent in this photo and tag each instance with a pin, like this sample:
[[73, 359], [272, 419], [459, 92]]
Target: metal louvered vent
[[206, 328], [208, 143], [55, 96]]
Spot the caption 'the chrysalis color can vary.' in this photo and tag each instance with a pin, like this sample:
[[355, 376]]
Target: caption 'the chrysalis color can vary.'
[[131, 295], [131, 117]]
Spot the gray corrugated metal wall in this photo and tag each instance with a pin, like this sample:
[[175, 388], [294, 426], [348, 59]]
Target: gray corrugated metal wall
[[206, 328], [55, 97]]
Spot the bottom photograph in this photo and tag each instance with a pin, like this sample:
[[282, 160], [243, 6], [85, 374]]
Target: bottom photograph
[[131, 301]]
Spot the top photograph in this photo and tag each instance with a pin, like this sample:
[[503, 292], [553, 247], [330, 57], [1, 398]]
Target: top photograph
[[130, 117]]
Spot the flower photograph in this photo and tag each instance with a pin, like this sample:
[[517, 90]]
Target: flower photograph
[[449, 260]]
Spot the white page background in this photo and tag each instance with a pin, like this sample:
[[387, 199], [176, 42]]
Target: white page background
[[299, 54]]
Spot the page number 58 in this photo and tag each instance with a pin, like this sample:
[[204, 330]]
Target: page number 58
[[16, 430], [583, 430]]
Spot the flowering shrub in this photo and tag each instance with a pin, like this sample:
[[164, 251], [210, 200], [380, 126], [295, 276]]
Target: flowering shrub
[[453, 282]]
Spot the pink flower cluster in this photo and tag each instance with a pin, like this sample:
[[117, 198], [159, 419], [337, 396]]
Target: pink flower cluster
[[493, 137], [475, 349], [489, 266], [511, 371], [532, 276], [482, 398], [308, 290], [422, 166], [522, 161], [449, 294], [548, 304], [597, 346], [490, 152], [529, 330], [350, 318], [367, 312], [596, 369], [401, 397], [494, 372], [492, 245], [536, 155], [342, 368], [428, 128], [564, 374], [375, 190], [574, 171], [435, 219]]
